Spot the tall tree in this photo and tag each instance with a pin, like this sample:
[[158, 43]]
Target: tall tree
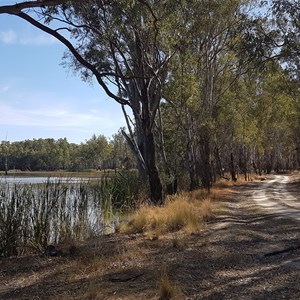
[[206, 66], [118, 42]]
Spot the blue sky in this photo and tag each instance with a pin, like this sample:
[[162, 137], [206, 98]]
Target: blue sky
[[41, 99]]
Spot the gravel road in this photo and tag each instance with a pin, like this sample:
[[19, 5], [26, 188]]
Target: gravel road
[[275, 197], [255, 243]]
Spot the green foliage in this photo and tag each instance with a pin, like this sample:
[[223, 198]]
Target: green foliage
[[128, 190], [53, 155]]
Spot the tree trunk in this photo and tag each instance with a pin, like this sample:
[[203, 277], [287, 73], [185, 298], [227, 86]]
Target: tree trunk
[[194, 182], [269, 163], [145, 152], [153, 174], [259, 164], [206, 173], [220, 171], [171, 182], [232, 168], [194, 179]]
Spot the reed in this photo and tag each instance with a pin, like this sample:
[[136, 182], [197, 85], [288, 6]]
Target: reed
[[35, 215]]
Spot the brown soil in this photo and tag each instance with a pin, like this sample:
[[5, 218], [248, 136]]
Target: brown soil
[[242, 254]]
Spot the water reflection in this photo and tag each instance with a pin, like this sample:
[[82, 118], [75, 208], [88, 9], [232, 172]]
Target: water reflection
[[43, 210], [34, 180]]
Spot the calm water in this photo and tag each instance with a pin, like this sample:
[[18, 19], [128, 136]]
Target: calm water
[[75, 210], [32, 180]]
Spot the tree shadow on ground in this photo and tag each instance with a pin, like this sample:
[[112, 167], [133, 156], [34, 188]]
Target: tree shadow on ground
[[238, 256]]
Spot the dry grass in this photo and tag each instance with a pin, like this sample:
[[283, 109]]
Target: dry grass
[[167, 289], [185, 211], [109, 267]]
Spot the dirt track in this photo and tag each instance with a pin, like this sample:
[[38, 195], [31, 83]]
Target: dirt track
[[261, 230], [276, 196]]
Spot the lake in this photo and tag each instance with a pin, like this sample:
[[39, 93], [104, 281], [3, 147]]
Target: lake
[[33, 180], [45, 210]]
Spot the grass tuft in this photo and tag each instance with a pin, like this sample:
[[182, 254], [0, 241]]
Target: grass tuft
[[179, 213], [168, 290]]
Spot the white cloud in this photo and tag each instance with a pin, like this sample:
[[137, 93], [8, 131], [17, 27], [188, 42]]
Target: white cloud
[[37, 40], [8, 36], [39, 113], [57, 117], [4, 89], [46, 116], [26, 38]]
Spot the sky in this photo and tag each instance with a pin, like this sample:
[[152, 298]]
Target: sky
[[41, 99]]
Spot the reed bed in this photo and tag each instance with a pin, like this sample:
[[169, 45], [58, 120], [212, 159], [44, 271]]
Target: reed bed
[[35, 215]]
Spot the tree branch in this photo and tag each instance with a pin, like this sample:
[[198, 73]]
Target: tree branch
[[76, 54], [17, 8]]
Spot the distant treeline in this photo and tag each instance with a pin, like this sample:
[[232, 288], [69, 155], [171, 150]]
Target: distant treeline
[[51, 155]]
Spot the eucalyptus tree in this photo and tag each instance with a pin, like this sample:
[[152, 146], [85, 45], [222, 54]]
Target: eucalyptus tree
[[120, 155], [94, 151], [286, 15], [120, 44], [224, 54], [206, 66]]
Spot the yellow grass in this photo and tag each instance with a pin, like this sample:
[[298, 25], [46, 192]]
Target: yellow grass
[[167, 289], [186, 211]]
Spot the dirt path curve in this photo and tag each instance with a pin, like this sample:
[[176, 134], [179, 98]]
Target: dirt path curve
[[274, 196], [255, 243]]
